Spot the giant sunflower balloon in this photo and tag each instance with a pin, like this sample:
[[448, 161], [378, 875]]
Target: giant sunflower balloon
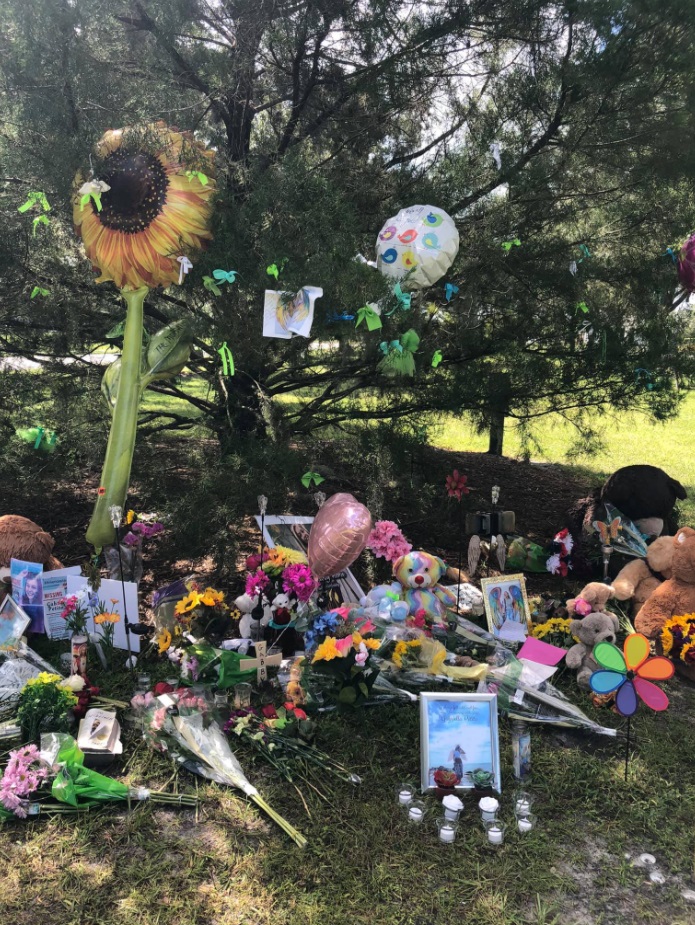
[[143, 215]]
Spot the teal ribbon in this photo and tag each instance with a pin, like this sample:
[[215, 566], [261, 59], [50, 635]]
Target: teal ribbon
[[450, 290], [227, 360], [640, 373], [225, 276], [386, 346], [36, 197], [585, 252], [403, 299], [669, 252]]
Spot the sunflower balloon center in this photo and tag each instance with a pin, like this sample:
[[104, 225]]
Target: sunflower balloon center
[[138, 191]]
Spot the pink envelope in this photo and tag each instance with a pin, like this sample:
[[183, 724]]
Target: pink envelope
[[535, 650]]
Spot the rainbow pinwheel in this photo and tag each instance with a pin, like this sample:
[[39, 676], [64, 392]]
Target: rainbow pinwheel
[[631, 674]]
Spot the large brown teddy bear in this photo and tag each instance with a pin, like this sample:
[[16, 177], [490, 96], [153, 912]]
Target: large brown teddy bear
[[676, 596], [21, 538], [638, 580]]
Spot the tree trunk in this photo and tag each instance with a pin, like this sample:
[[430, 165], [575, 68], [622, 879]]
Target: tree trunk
[[496, 444], [500, 385]]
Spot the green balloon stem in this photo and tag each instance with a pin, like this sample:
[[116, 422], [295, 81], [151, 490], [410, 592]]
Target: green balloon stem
[[115, 476]]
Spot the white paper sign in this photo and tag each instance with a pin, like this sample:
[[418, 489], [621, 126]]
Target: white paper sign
[[286, 314], [55, 589], [110, 591]]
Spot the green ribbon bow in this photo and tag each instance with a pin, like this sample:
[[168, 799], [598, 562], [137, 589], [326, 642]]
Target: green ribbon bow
[[274, 270], [36, 197], [211, 285], [436, 358], [369, 316], [508, 245], [39, 220], [225, 276], [310, 477], [582, 307], [197, 175], [37, 290], [227, 360], [95, 195], [399, 359]]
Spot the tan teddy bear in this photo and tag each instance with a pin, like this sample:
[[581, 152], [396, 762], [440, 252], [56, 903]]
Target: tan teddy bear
[[673, 597], [596, 627], [641, 577], [596, 593]]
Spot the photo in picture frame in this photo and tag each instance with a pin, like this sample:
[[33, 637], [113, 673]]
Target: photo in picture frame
[[459, 734], [293, 532], [506, 607], [13, 623]]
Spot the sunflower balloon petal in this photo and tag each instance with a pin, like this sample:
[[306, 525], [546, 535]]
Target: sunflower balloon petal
[[152, 207]]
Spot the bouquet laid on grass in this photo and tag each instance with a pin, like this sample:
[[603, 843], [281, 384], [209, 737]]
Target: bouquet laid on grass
[[339, 658], [678, 639], [284, 738], [55, 780], [181, 725], [202, 612], [555, 631]]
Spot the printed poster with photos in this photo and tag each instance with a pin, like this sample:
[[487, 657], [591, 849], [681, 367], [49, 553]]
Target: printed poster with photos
[[293, 532], [459, 734]]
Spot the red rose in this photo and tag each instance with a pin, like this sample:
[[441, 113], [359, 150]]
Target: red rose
[[269, 711], [162, 688], [299, 713]]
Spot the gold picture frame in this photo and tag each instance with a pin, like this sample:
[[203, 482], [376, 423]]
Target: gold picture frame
[[506, 607]]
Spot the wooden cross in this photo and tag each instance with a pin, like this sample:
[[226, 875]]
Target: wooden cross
[[261, 661]]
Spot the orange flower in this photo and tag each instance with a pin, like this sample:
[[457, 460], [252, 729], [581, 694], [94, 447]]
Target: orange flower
[[157, 207]]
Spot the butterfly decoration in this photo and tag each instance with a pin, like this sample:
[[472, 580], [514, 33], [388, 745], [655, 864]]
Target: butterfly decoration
[[371, 318], [508, 245], [608, 532], [310, 477], [630, 673]]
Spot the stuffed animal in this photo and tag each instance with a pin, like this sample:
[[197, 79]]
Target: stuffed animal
[[596, 627], [419, 574], [641, 577], [295, 692], [593, 596], [385, 602], [248, 627], [676, 596], [21, 538]]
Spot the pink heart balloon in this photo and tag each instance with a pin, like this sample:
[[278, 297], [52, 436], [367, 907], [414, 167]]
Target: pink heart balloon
[[338, 535]]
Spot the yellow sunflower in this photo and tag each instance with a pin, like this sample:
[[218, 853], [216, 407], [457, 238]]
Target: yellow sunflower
[[188, 603], [157, 206], [164, 641], [211, 598]]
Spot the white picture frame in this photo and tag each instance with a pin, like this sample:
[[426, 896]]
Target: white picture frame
[[293, 531], [459, 732]]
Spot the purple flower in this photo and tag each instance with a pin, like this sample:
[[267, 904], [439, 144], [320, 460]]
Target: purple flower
[[256, 582]]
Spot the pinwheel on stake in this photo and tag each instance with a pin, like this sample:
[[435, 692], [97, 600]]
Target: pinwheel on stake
[[629, 674]]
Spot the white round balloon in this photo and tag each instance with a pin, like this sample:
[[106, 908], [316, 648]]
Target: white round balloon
[[421, 241]]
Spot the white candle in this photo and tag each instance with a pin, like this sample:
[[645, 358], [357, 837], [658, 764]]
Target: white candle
[[494, 835], [447, 834], [488, 808], [525, 825], [452, 807], [404, 797], [415, 814], [523, 807]]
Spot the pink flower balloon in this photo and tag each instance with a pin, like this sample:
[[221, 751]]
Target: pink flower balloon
[[338, 535]]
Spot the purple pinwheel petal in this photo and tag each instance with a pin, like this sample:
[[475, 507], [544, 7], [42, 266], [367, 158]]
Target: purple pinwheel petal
[[626, 699]]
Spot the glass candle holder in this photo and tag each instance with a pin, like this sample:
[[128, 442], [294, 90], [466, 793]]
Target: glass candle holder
[[447, 830], [523, 802], [242, 696], [525, 824], [416, 811], [405, 793], [173, 682], [494, 829], [143, 683], [452, 807], [488, 807]]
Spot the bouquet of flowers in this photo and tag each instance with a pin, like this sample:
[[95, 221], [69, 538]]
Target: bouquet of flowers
[[280, 570], [75, 610], [555, 631], [386, 541], [403, 649], [106, 621], [44, 703], [283, 738], [678, 639], [141, 527], [202, 612], [340, 663], [192, 737]]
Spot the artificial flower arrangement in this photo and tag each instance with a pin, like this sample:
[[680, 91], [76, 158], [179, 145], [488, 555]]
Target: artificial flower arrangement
[[339, 657], [678, 639], [561, 547], [386, 541]]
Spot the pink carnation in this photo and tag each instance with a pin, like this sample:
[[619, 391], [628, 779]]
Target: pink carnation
[[298, 580], [20, 779], [256, 582], [387, 542]]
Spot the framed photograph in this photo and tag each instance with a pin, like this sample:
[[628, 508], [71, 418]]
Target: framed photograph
[[293, 532], [13, 623], [459, 735], [506, 607]]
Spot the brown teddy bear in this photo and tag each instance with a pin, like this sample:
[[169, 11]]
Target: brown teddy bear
[[21, 538], [596, 627], [596, 594], [641, 577], [673, 597]]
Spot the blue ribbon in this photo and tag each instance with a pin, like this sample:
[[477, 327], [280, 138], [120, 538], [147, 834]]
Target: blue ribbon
[[450, 290], [225, 276]]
